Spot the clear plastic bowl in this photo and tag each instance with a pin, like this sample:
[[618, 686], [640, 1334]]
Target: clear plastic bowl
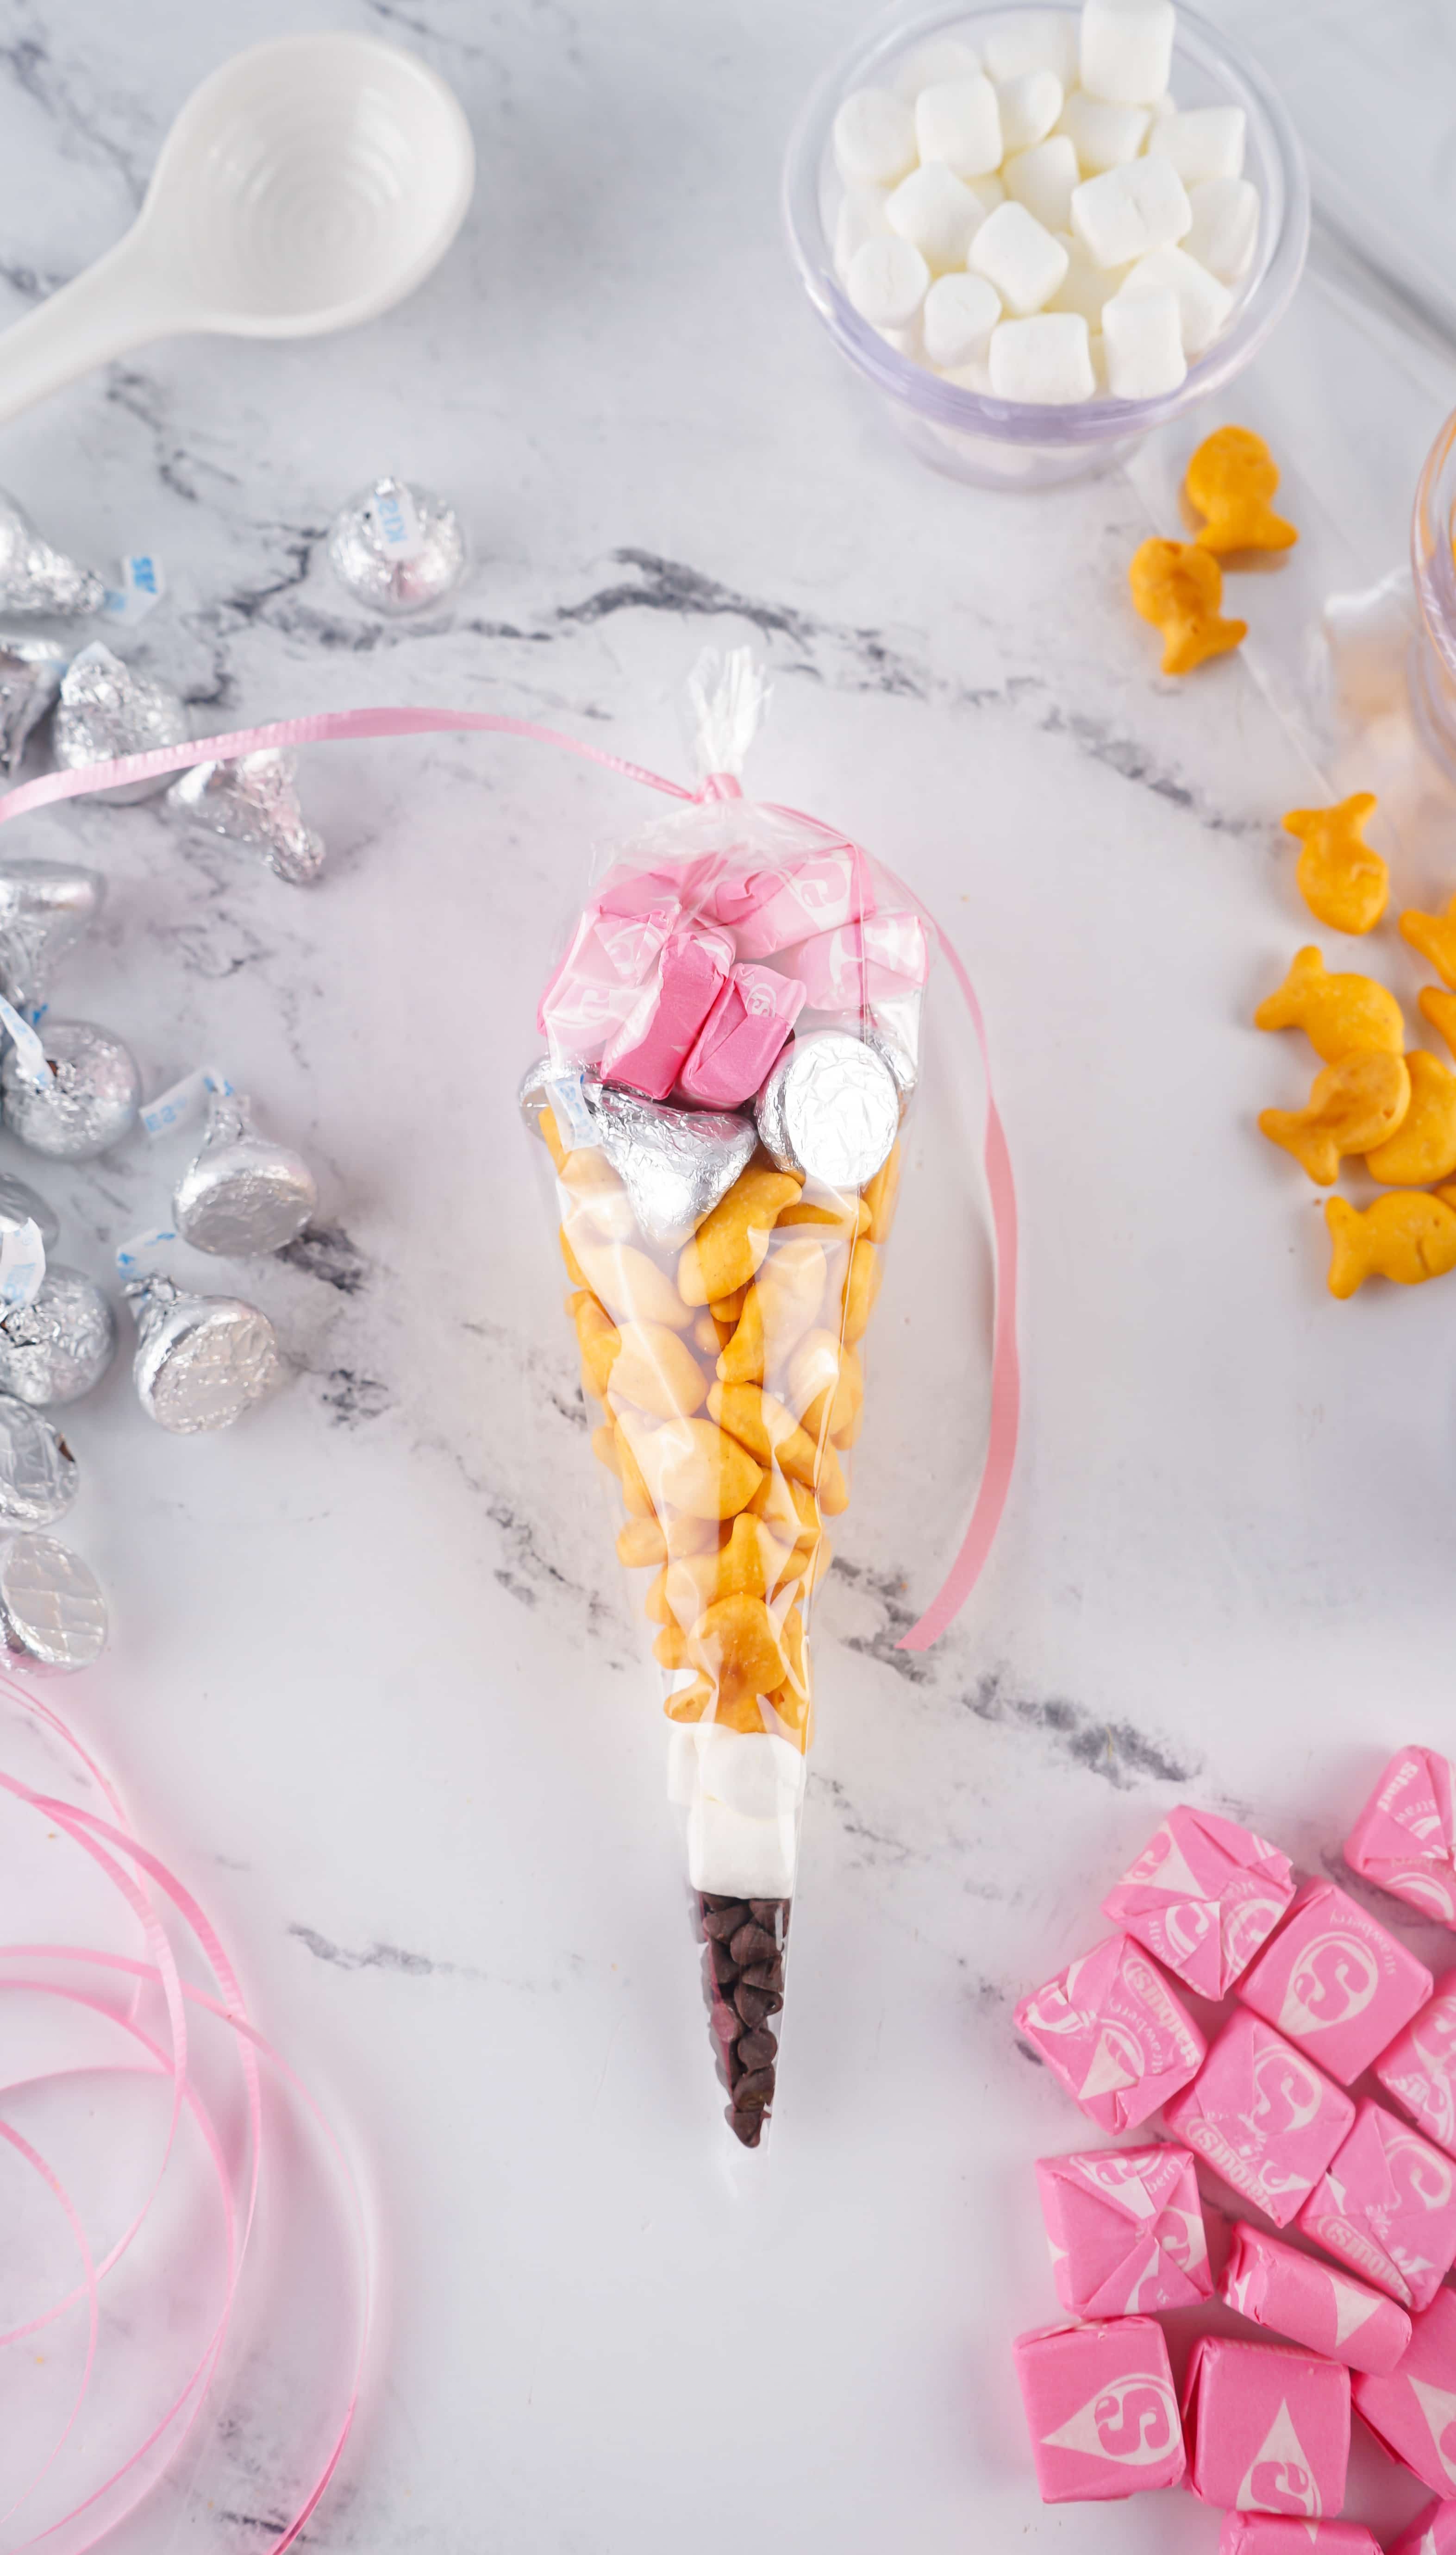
[[1010, 443], [1433, 569]]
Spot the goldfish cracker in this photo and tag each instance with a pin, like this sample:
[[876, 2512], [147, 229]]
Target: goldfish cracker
[[708, 1333], [1179, 588], [1342, 881], [882, 1196], [860, 1286], [808, 1562], [604, 1447], [632, 1286], [1406, 1235], [655, 1604], [656, 1371], [778, 1308], [1231, 479], [686, 1535], [701, 1701], [737, 1643], [636, 1499], [749, 1565], [641, 1545], [795, 1644], [1337, 1013], [1440, 1010], [791, 1717], [847, 1217], [550, 1137], [730, 1243], [826, 1388], [574, 1269], [728, 1308], [1352, 1106], [1434, 935], [1423, 1150], [690, 1464], [671, 1650], [790, 1508], [599, 1341], [774, 1436]]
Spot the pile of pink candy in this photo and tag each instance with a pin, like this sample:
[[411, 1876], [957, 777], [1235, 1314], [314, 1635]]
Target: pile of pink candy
[[1323, 1995]]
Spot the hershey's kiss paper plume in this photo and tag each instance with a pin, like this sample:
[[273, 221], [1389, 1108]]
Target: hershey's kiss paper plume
[[85, 1102], [59, 1345], [29, 680], [52, 1615], [242, 1194], [106, 709], [19, 1202], [397, 547], [830, 1108], [39, 1474], [33, 577], [46, 908], [201, 1361], [251, 799]]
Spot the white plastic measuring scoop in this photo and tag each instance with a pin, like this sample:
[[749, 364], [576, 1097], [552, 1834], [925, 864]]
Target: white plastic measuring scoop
[[307, 185]]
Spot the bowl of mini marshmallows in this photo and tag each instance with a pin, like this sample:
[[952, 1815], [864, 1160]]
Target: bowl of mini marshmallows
[[1041, 232]]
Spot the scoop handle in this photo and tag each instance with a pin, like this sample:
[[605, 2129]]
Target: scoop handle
[[115, 305]]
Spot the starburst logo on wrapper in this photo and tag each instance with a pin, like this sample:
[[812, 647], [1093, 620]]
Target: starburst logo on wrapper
[[1288, 2093], [1144, 1982], [1426, 2177], [1334, 1979], [1133, 2422], [1432, 1893], [1279, 2478], [1248, 1925]]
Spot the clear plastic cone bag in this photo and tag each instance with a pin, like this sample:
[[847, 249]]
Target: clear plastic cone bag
[[730, 1049]]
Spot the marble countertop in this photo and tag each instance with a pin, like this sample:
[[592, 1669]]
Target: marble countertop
[[373, 1681]]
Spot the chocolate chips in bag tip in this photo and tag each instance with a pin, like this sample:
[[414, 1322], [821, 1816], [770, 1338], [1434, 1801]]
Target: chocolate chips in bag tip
[[33, 577], [251, 800], [398, 548], [201, 1361], [86, 1102], [107, 708], [242, 1194]]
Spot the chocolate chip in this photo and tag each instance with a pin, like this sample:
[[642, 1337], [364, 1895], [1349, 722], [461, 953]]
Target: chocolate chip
[[756, 2005], [724, 1967], [757, 2049], [765, 1973], [747, 2125], [755, 2091], [707, 1899], [768, 1912], [751, 1943], [723, 2021], [721, 1922]]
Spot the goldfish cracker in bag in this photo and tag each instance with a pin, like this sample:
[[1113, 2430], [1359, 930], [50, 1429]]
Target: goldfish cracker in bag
[[731, 1048]]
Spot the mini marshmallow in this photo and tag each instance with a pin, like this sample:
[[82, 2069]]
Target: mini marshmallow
[[1087, 287], [875, 138], [1127, 211], [1102, 136], [1205, 142], [743, 1856], [1015, 253], [958, 121], [960, 313], [1225, 226], [887, 281], [1030, 105], [938, 214], [1126, 49], [1043, 179], [861, 217], [1047, 359], [1203, 302], [1143, 345], [761, 1776], [1033, 40], [944, 57]]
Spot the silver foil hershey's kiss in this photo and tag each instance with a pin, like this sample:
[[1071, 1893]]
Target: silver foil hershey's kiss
[[29, 680], [46, 908], [39, 1474], [675, 1163], [252, 801], [18, 1200], [830, 1108], [398, 548], [52, 1615], [243, 1194], [60, 1344], [201, 1361], [88, 1100], [36, 578], [106, 709]]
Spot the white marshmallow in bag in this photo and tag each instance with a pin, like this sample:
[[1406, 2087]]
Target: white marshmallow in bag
[[1047, 359], [1143, 345], [1102, 136], [959, 314], [1205, 142], [958, 121], [1033, 40], [1224, 231], [1029, 106], [887, 282], [1126, 49], [1127, 211], [1015, 253], [1043, 179], [1203, 302], [875, 138], [743, 1858], [936, 213]]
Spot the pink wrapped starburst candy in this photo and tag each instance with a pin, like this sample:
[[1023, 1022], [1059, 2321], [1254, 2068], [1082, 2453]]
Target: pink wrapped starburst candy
[[741, 1037], [1204, 1895], [1404, 1839], [1268, 2429], [1412, 2411], [1419, 2070], [1255, 2533], [1386, 2204], [1336, 1982], [1125, 2229], [1293, 2295], [770, 909], [1431, 2532], [1101, 2409], [1111, 2028], [1263, 2115]]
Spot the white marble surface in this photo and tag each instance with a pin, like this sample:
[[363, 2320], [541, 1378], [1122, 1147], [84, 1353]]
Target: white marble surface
[[373, 1683]]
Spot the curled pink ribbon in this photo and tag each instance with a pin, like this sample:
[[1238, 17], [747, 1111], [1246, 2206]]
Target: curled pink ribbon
[[326, 725]]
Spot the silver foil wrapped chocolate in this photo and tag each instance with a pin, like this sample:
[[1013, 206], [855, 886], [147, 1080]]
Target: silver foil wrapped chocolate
[[33, 577], [39, 1474], [59, 1345], [675, 1163], [252, 801], [18, 1200], [52, 1615], [107, 708], [88, 1100], [29, 680], [46, 908], [242, 1194], [830, 1108], [201, 1361], [397, 547]]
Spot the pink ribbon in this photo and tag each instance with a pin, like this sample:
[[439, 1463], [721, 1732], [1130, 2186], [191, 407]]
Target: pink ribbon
[[324, 726]]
